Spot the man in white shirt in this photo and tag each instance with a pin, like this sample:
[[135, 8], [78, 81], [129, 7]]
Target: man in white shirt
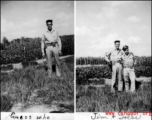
[[128, 69], [114, 58], [51, 47]]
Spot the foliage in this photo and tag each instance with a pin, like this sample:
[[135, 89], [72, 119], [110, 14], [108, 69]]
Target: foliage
[[83, 74], [31, 85], [141, 61], [29, 49], [6, 67], [101, 99]]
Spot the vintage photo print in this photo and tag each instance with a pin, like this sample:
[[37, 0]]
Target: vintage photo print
[[113, 56], [37, 56]]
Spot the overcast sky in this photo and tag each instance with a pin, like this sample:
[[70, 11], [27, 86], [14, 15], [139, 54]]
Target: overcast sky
[[27, 18], [98, 24]]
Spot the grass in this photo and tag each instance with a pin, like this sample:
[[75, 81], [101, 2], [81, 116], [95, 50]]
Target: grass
[[95, 99], [6, 67], [31, 85]]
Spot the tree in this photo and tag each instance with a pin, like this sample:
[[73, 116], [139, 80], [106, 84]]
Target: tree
[[1, 46], [5, 42], [22, 40]]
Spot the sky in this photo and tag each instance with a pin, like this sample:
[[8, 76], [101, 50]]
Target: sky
[[28, 18], [99, 23]]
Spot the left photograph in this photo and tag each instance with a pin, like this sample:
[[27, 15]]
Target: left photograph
[[37, 56]]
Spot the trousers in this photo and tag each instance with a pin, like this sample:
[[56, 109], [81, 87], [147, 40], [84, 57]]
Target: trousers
[[117, 73], [129, 78], [52, 51]]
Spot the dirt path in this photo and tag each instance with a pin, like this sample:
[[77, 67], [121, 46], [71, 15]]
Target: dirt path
[[32, 109], [55, 107]]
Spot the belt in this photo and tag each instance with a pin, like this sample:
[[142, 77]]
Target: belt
[[114, 62], [51, 44], [128, 67]]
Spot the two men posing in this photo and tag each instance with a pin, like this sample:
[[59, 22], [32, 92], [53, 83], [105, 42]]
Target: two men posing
[[122, 62]]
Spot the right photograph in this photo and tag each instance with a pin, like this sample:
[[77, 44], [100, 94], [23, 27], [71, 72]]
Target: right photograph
[[113, 56]]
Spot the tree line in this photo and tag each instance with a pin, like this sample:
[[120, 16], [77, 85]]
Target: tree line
[[144, 61], [28, 49]]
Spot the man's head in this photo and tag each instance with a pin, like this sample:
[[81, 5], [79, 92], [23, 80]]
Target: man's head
[[49, 24], [117, 44], [125, 49]]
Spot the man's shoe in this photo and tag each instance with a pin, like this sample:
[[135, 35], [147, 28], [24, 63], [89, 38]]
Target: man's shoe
[[49, 74], [112, 91], [58, 73]]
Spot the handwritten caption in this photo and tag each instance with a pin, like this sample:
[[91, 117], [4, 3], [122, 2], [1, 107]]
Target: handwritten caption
[[94, 116], [24, 117], [120, 115]]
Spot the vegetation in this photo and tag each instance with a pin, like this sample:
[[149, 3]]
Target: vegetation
[[31, 85], [100, 99], [28, 49], [83, 74], [141, 61], [93, 94]]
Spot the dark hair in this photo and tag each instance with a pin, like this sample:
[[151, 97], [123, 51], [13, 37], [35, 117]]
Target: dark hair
[[117, 41], [49, 21], [125, 47]]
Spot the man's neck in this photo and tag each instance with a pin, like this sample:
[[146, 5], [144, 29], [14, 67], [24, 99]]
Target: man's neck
[[117, 49], [49, 30], [127, 54]]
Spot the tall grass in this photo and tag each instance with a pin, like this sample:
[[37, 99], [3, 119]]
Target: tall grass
[[32, 86], [102, 100]]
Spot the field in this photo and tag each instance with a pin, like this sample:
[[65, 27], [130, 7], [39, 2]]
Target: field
[[100, 99], [30, 86], [93, 88]]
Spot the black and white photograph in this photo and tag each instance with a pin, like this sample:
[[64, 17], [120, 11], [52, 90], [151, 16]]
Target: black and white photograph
[[75, 60], [113, 56], [37, 56]]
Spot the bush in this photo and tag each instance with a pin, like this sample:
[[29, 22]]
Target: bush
[[16, 53], [141, 61], [6, 67], [83, 74]]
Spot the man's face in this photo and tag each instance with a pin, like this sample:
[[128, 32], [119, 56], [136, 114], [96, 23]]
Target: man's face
[[127, 51], [117, 45], [49, 25]]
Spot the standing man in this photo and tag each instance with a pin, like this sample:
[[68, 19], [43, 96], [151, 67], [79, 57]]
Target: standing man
[[51, 47], [114, 58], [128, 69]]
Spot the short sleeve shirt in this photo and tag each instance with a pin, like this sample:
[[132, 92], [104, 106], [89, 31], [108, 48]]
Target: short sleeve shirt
[[50, 36], [114, 55], [128, 60]]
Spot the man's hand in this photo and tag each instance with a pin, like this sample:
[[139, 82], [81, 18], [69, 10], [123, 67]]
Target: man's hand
[[43, 54], [60, 52], [108, 61], [119, 59]]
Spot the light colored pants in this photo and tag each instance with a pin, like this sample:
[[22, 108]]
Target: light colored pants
[[53, 52], [117, 71], [129, 77]]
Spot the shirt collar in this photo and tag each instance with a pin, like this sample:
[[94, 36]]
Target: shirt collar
[[128, 54], [50, 31], [118, 49]]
